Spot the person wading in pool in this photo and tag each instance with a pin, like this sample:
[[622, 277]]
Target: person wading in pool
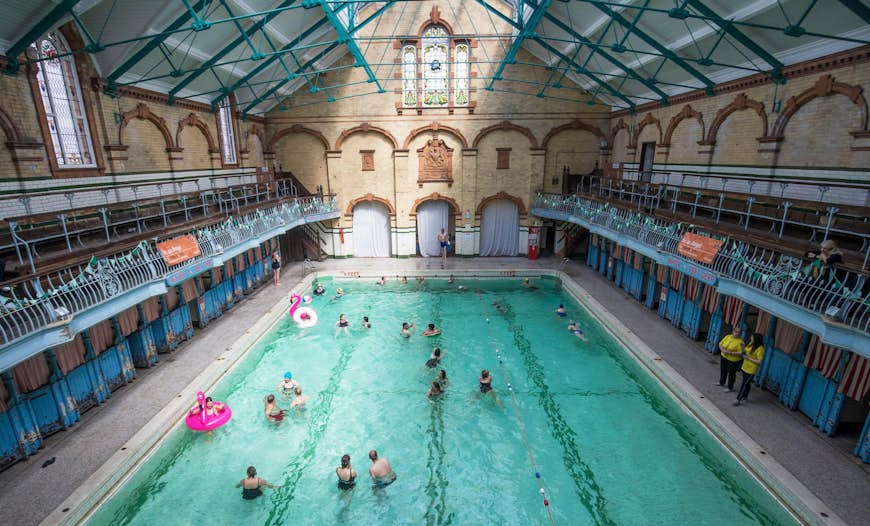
[[407, 329], [381, 471], [346, 474], [431, 331], [486, 386], [252, 484], [273, 412]]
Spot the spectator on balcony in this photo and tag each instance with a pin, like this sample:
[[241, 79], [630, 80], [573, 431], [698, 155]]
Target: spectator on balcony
[[824, 263]]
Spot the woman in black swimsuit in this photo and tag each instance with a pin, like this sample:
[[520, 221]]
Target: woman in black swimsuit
[[434, 358], [485, 381], [251, 485], [346, 474], [276, 267]]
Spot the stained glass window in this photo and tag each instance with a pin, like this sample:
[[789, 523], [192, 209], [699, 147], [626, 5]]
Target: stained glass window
[[409, 75], [460, 75], [61, 98], [228, 138], [436, 67]]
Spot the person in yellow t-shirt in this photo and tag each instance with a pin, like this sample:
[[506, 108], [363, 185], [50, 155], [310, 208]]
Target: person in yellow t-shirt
[[731, 354], [753, 354]]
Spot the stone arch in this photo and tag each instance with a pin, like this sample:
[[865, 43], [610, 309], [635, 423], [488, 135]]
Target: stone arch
[[436, 127], [9, 128], [687, 112], [369, 197], [435, 20], [194, 121], [620, 125], [648, 120], [365, 127], [825, 86], [296, 128], [505, 125], [143, 112], [740, 102], [435, 196], [577, 124], [501, 195]]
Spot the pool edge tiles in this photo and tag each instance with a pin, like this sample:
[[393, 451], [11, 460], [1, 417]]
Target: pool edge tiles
[[110, 476], [792, 494]]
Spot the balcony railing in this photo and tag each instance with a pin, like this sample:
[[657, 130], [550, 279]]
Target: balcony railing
[[842, 295], [51, 298]]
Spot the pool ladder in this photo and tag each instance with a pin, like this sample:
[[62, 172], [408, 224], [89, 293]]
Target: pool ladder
[[307, 266]]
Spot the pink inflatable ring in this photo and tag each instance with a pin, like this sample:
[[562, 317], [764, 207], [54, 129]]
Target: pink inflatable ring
[[199, 421]]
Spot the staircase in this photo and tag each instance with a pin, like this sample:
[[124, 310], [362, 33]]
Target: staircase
[[574, 235], [312, 243]]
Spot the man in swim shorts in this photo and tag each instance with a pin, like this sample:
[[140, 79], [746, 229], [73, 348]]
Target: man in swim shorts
[[273, 412], [407, 330], [381, 471], [574, 328], [444, 241]]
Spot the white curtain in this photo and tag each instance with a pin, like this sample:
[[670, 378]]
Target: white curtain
[[371, 230], [431, 218], [500, 229]]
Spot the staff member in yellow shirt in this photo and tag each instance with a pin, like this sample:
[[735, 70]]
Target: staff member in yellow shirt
[[753, 354], [731, 354]]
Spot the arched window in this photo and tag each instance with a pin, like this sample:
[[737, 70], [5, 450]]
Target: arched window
[[62, 100], [443, 79], [228, 135]]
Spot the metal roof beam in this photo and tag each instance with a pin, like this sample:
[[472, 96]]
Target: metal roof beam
[[345, 37], [738, 35], [527, 30], [152, 44], [655, 44], [47, 22], [858, 7], [229, 47], [594, 48]]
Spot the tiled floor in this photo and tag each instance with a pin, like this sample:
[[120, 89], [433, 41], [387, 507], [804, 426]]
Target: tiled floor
[[826, 466]]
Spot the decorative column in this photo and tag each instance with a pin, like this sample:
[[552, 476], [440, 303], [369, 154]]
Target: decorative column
[[466, 229], [402, 200]]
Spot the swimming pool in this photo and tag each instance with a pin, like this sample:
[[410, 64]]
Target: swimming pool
[[610, 445]]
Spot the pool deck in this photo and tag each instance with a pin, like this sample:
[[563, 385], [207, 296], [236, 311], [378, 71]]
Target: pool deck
[[825, 465]]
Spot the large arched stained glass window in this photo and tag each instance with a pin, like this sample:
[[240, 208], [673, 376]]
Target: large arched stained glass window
[[436, 67], [61, 97]]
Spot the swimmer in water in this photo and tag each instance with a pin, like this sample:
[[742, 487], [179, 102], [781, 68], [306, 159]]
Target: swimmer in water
[[273, 412], [299, 401], [431, 331], [346, 474], [486, 385], [404, 280], [450, 280], [365, 323], [381, 281], [434, 358], [319, 290], [252, 483], [211, 408], [407, 329], [381, 472], [287, 385], [561, 312], [434, 390], [574, 328], [339, 292], [528, 284], [441, 378]]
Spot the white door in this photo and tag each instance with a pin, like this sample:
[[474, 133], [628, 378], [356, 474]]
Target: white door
[[371, 230], [500, 229], [432, 216]]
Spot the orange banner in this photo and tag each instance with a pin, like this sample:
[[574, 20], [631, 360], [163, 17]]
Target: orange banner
[[699, 248], [179, 250]]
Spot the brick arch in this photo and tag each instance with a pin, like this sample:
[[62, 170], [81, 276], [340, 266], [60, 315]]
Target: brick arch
[[296, 128], [620, 125], [740, 102], [648, 120], [435, 196], [435, 20], [256, 130], [9, 128], [825, 86], [499, 196], [369, 197], [365, 127], [577, 124], [687, 112], [144, 113], [505, 125], [435, 127], [194, 121]]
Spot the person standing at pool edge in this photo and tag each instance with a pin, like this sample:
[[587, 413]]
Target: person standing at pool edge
[[276, 267], [444, 240], [753, 354], [381, 471], [731, 354]]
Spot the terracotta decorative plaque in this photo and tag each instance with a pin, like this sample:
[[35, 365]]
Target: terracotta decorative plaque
[[436, 162], [368, 160]]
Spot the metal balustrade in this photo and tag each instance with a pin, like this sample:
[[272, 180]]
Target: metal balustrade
[[845, 296], [51, 298], [651, 196]]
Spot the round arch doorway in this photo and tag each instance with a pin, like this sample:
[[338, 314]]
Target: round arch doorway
[[432, 216], [371, 230]]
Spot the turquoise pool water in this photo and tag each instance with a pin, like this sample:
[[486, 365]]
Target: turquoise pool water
[[610, 445]]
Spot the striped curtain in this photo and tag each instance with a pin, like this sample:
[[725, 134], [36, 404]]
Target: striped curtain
[[787, 337], [4, 396], [732, 310], [710, 299], [638, 261], [691, 291], [102, 336], [856, 377], [661, 273], [240, 262], [188, 290], [151, 309], [823, 357], [616, 251], [676, 279], [763, 322], [70, 355], [129, 321], [215, 277], [228, 268], [627, 256], [31, 374], [171, 298], [594, 239]]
